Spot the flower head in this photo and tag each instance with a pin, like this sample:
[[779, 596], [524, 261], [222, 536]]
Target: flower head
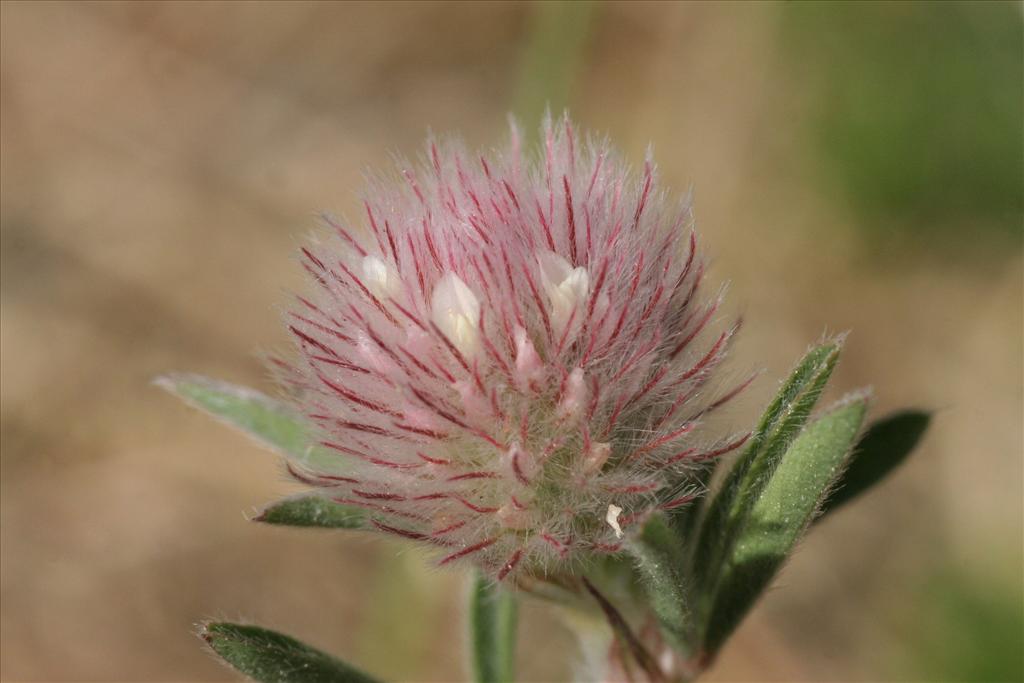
[[509, 358]]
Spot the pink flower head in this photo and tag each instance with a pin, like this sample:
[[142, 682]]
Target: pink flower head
[[508, 360]]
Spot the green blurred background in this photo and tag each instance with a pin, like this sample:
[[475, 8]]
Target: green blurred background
[[855, 166]]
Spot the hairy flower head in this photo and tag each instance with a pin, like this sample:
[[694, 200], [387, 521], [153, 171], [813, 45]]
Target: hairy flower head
[[509, 358]]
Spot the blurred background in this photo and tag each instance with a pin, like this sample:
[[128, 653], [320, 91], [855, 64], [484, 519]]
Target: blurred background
[[855, 166]]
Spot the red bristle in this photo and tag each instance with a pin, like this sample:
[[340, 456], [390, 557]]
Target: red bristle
[[406, 533], [677, 502], [510, 564], [467, 551], [473, 475], [570, 223]]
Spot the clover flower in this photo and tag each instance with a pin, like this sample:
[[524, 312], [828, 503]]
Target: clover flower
[[510, 358]]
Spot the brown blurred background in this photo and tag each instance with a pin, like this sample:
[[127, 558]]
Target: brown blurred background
[[855, 166]]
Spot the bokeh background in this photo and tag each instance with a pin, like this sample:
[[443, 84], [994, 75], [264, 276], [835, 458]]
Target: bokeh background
[[855, 166]]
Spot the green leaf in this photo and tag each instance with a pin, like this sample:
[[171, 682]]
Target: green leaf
[[312, 510], [492, 631], [785, 417], [660, 563], [270, 657], [780, 515], [886, 444], [271, 423]]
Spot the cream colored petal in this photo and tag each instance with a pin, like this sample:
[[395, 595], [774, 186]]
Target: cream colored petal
[[566, 287], [379, 277], [456, 312]]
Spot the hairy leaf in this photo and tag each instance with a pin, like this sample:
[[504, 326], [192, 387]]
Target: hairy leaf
[[312, 510], [270, 657], [885, 445], [659, 560], [782, 421], [780, 515], [271, 423], [492, 630]]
